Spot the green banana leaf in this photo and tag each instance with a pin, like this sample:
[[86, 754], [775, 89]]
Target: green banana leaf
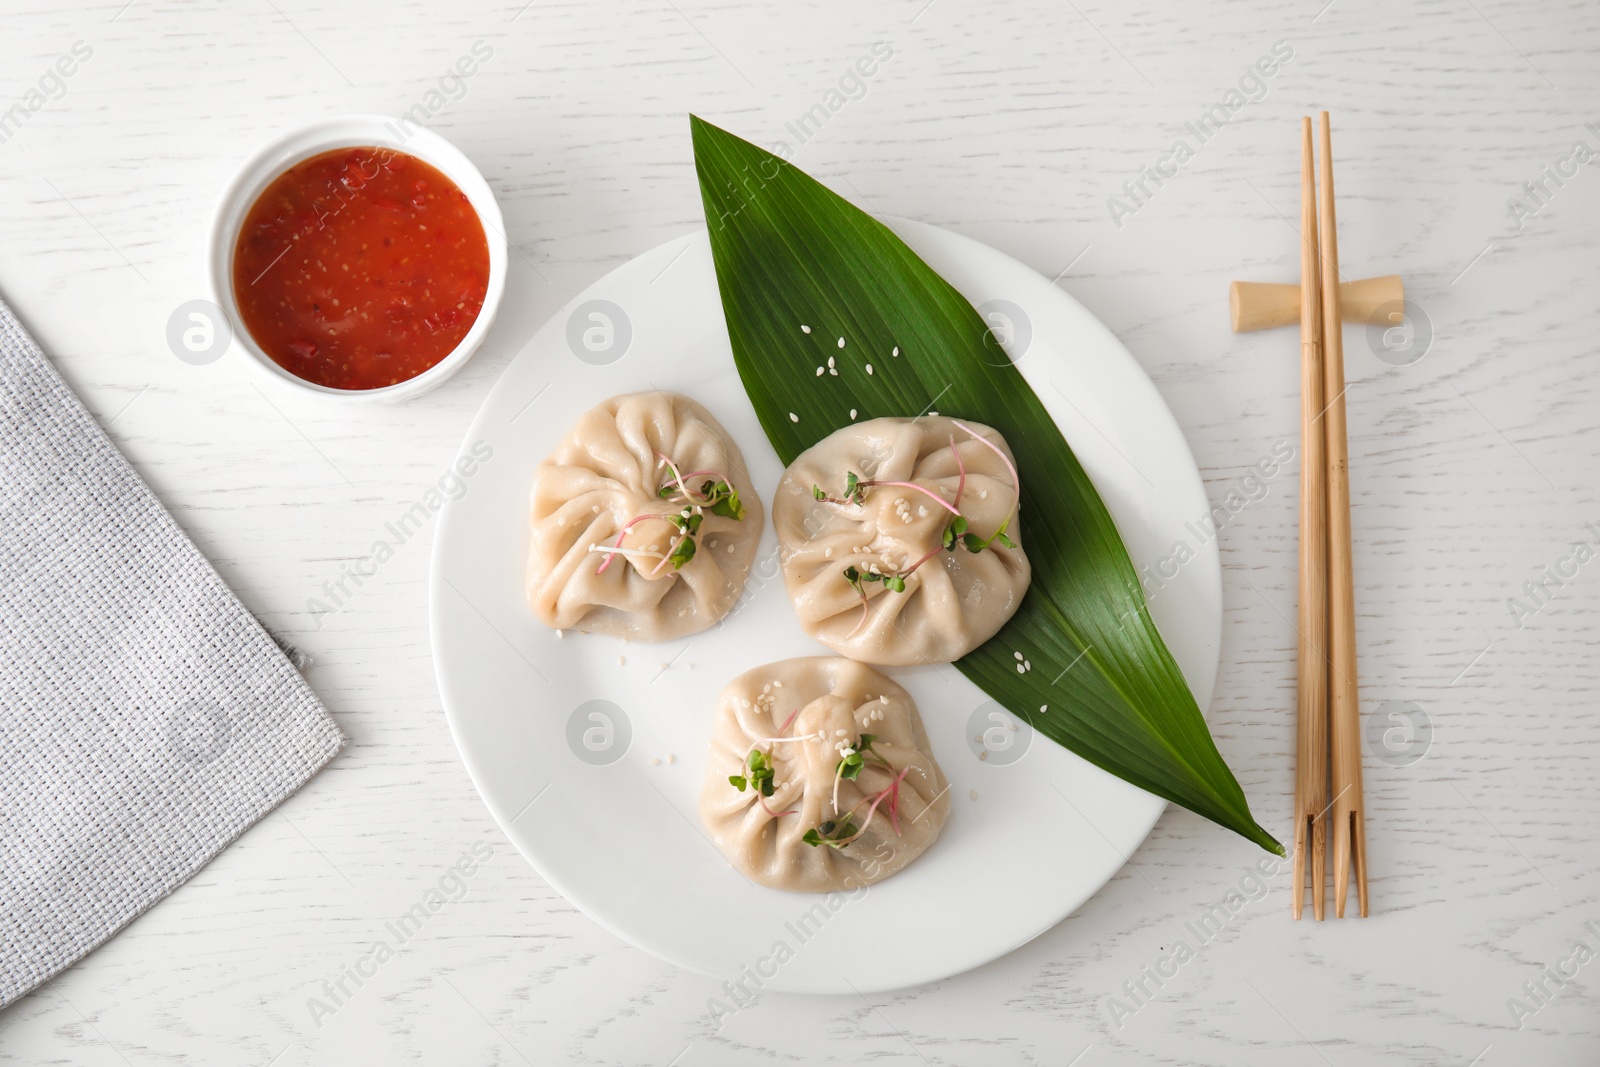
[[787, 251]]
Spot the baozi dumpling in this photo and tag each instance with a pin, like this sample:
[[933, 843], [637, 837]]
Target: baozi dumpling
[[820, 776], [900, 539], [644, 522]]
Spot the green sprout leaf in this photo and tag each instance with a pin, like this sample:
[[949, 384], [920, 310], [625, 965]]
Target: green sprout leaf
[[759, 778], [849, 768], [682, 553], [687, 521], [723, 499], [831, 833]]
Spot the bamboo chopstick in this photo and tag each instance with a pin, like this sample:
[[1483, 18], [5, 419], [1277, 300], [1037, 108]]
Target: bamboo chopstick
[[1311, 770], [1349, 824]]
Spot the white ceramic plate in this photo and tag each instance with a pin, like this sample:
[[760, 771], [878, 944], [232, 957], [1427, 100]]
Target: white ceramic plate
[[589, 752]]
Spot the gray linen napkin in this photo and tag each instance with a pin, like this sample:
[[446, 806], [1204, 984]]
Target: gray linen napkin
[[146, 718]]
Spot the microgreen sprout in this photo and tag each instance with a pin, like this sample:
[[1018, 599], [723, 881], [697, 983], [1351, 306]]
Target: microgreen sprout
[[839, 832], [716, 494], [716, 491], [759, 770], [835, 833], [857, 755], [758, 776], [855, 491], [956, 532], [853, 757], [856, 576]]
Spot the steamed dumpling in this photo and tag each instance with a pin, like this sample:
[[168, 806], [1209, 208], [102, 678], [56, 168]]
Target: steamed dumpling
[[787, 727], [884, 573], [651, 476]]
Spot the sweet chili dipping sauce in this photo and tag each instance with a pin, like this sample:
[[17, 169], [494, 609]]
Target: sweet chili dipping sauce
[[359, 268]]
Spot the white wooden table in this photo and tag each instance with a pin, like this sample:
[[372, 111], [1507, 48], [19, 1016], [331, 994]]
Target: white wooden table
[[1474, 469]]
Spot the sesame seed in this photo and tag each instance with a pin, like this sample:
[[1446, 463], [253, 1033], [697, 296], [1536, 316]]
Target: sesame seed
[[830, 362], [973, 793], [671, 758], [1021, 669], [833, 371], [1043, 708], [804, 328], [1018, 656], [841, 342], [663, 666], [821, 371], [731, 547], [869, 368], [620, 661], [1028, 664], [654, 762], [852, 413], [896, 351], [793, 417], [560, 634]]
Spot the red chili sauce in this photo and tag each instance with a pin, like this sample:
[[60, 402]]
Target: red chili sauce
[[359, 268]]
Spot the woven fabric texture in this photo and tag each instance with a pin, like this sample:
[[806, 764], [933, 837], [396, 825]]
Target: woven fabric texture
[[146, 718]]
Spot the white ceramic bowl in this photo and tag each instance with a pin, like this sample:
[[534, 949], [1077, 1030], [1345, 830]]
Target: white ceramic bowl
[[349, 131]]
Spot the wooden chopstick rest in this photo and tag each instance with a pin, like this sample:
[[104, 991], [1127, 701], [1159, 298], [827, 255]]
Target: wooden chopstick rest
[[1265, 305]]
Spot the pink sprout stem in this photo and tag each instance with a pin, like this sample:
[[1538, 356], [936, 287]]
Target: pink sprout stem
[[681, 480], [673, 467], [636, 520], [893, 788], [962, 467], [665, 559], [934, 551], [930, 494], [1016, 480], [866, 610], [769, 811]]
